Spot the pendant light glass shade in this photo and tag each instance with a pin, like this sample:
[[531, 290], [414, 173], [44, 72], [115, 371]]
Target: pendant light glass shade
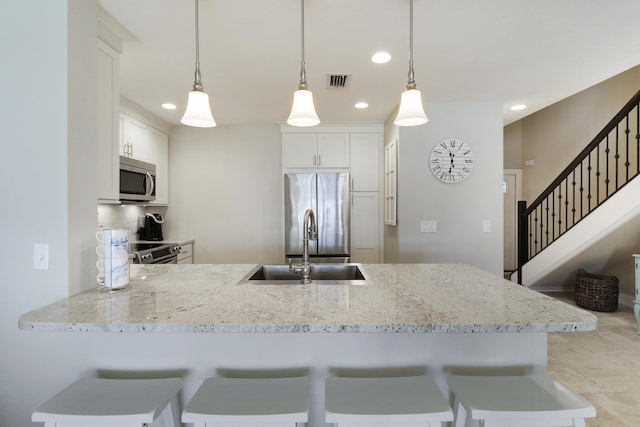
[[303, 113], [411, 112], [198, 111]]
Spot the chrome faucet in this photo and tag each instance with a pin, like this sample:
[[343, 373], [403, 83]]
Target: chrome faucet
[[310, 232]]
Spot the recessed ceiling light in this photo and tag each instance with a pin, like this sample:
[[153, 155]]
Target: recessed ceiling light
[[381, 58], [518, 107], [361, 105], [169, 106]]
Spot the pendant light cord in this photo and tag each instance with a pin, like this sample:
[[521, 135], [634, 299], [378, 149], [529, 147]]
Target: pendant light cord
[[197, 84], [303, 75], [411, 82]]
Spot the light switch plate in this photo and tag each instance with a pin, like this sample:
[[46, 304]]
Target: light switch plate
[[40, 256], [428, 226], [486, 226]]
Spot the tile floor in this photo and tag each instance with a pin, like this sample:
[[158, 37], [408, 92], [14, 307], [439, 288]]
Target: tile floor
[[603, 365]]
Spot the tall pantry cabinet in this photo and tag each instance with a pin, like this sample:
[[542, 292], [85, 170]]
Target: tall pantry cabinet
[[108, 99], [356, 149], [124, 128]]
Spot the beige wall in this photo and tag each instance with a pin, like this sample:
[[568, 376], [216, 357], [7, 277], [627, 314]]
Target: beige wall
[[226, 191], [513, 146], [552, 137], [459, 209]]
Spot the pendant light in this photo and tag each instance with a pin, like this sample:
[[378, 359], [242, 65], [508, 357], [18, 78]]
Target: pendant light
[[198, 112], [411, 112], [303, 112]]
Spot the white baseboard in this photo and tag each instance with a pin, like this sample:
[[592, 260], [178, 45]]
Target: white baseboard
[[625, 299]]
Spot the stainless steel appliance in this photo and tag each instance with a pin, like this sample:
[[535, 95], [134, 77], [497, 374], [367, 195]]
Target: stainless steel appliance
[[137, 180], [155, 253], [152, 227], [327, 194]]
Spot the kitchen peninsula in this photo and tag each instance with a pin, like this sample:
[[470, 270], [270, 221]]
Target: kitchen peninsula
[[442, 318]]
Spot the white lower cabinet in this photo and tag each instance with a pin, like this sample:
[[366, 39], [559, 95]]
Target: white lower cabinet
[[365, 227], [186, 254]]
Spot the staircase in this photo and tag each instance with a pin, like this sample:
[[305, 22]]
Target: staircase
[[588, 216]]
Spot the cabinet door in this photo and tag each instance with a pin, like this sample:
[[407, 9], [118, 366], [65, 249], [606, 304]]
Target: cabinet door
[[186, 254], [108, 70], [158, 154], [135, 142], [333, 150], [366, 166], [300, 150], [365, 227]]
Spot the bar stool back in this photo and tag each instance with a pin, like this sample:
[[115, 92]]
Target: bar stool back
[[386, 400], [527, 400], [95, 401], [249, 401]]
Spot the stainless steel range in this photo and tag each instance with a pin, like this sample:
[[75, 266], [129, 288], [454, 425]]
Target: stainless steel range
[[155, 253]]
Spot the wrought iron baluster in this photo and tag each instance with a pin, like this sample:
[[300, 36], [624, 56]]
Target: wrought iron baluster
[[581, 192], [589, 183], [598, 175], [617, 155], [608, 178], [560, 231], [627, 131]]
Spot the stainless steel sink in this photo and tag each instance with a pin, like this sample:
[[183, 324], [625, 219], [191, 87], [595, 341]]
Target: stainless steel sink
[[321, 274]]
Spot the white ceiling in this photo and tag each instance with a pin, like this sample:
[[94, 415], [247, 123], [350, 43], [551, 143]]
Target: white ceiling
[[507, 51]]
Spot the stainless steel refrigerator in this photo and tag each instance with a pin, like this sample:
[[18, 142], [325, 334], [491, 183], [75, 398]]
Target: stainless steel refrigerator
[[328, 195]]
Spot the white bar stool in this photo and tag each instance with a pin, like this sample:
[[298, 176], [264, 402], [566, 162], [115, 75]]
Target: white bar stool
[[527, 400], [386, 400], [97, 401], [249, 401]]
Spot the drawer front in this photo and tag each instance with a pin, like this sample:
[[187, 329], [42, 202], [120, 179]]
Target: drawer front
[[186, 251]]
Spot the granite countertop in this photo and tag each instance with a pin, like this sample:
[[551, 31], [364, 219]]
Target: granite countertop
[[403, 298]]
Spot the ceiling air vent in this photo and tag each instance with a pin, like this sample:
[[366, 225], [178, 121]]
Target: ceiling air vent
[[338, 81]]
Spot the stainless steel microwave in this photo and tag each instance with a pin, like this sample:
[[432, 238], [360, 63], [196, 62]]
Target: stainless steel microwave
[[137, 180]]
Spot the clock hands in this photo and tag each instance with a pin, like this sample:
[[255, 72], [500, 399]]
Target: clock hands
[[460, 161]]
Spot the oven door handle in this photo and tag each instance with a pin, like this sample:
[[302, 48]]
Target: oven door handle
[[149, 184]]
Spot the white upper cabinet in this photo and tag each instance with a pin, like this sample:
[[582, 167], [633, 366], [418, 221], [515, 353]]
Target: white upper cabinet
[[300, 150], [366, 166], [135, 141], [159, 155], [108, 97], [312, 150], [333, 150], [142, 141]]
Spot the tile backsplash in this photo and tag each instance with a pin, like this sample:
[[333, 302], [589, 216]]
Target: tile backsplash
[[121, 216]]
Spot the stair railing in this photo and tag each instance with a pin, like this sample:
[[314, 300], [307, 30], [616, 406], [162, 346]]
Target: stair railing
[[607, 164]]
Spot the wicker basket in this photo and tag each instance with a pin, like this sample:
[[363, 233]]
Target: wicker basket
[[596, 292]]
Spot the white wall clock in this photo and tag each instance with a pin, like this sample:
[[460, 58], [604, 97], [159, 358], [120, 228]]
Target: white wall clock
[[451, 160]]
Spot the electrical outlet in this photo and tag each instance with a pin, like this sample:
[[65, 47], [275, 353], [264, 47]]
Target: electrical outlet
[[40, 256], [428, 226]]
